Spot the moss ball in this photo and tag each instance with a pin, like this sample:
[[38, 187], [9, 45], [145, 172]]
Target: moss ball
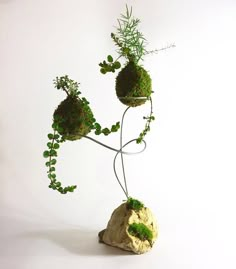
[[133, 81], [75, 118]]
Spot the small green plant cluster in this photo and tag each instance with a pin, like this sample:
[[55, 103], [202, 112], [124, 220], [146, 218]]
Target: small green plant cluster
[[147, 128], [110, 65], [133, 82], [134, 204], [129, 39], [72, 120], [141, 231], [106, 131], [73, 107], [68, 85]]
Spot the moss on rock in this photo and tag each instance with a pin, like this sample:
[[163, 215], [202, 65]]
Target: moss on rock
[[133, 81], [134, 204], [75, 118], [141, 231]]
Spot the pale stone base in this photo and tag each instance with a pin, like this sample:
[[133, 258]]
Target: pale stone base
[[116, 234]]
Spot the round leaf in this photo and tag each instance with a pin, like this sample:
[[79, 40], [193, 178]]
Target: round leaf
[[56, 146], [50, 136], [109, 59], [117, 65], [53, 161], [46, 154], [103, 71], [49, 144]]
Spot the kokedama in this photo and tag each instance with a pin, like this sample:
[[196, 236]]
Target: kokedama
[[132, 226]]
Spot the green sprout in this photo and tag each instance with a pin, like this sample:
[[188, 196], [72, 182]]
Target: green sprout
[[130, 41]]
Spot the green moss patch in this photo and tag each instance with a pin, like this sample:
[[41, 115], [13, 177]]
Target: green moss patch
[[133, 81], [140, 231], [134, 204], [75, 118]]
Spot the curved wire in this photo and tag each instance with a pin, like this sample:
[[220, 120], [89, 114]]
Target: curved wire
[[121, 153], [111, 148], [114, 163]]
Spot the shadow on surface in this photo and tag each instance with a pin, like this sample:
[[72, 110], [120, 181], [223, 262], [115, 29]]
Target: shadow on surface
[[28, 235], [80, 242]]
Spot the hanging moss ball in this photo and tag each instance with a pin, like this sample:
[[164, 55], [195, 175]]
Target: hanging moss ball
[[133, 81], [73, 118]]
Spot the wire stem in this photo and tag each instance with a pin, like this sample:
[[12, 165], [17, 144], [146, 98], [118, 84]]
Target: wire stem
[[121, 153]]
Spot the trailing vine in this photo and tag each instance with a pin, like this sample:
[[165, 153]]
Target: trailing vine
[[147, 127], [55, 139]]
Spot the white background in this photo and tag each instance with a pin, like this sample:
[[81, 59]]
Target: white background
[[186, 175]]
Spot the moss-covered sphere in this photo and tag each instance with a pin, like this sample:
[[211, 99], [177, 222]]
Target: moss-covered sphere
[[133, 81], [75, 118]]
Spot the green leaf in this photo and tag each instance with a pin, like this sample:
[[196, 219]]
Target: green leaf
[[50, 136], [53, 152], [138, 140], [54, 125], [60, 129], [106, 131], [97, 126], [117, 65], [53, 161], [52, 169], [56, 146], [114, 128], [103, 71], [109, 59], [49, 144], [60, 189], [93, 120], [46, 154], [98, 132]]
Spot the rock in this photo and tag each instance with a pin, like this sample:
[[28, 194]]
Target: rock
[[119, 229]]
